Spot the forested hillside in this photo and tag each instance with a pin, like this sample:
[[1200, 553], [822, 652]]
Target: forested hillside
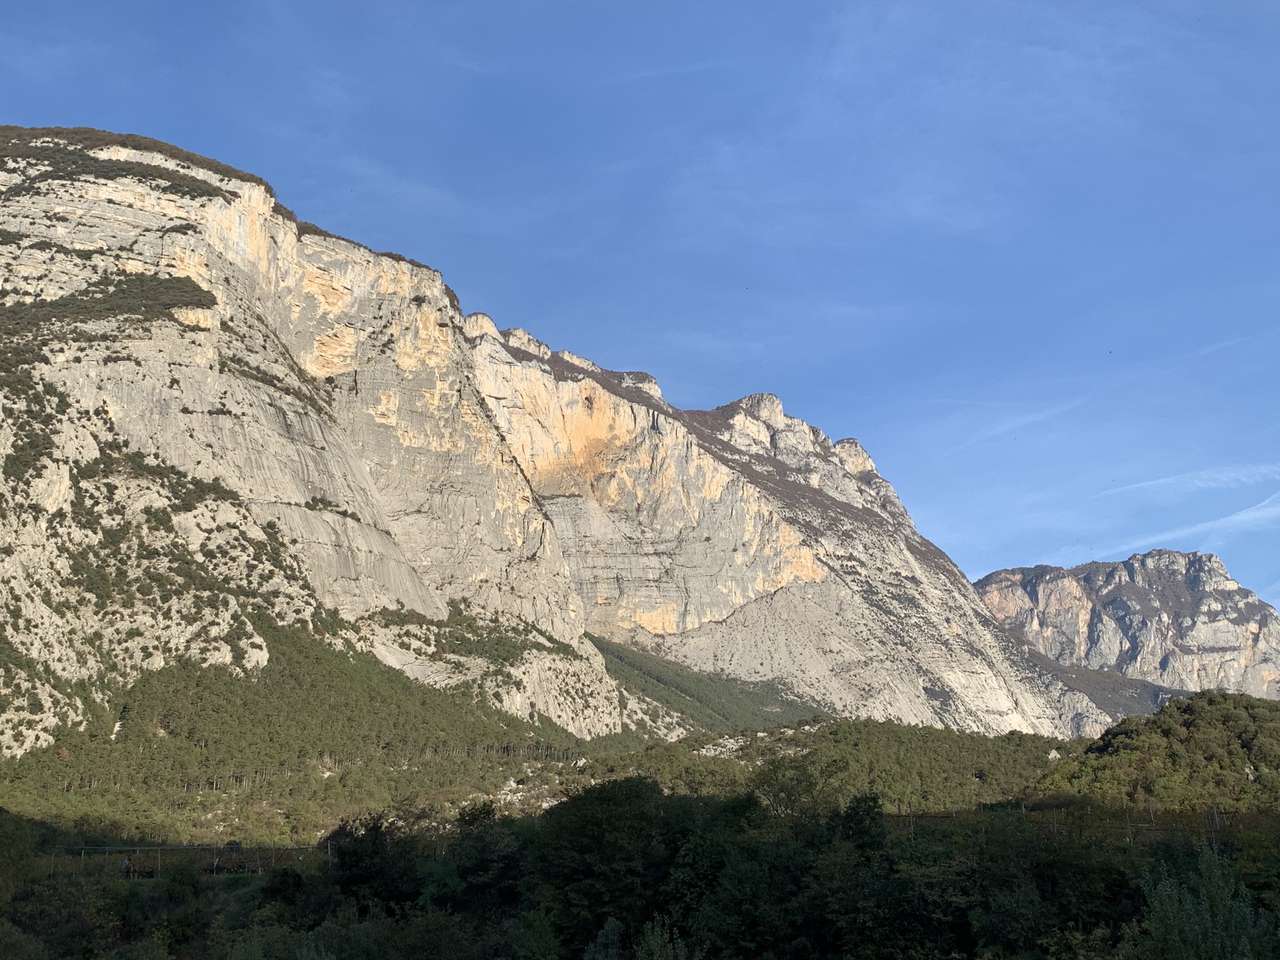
[[194, 753], [425, 812], [1211, 749], [623, 871], [199, 755]]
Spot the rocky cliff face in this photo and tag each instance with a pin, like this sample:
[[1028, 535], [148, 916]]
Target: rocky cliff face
[[215, 417], [1176, 619]]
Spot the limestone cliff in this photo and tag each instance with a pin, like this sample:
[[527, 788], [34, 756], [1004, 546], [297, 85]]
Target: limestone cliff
[[274, 423], [1176, 619]]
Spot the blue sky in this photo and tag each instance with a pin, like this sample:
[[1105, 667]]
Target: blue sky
[[1025, 251]]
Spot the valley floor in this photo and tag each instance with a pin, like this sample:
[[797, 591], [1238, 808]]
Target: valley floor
[[625, 871], [835, 839]]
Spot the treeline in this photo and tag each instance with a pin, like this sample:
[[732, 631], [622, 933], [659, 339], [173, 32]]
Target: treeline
[[1159, 840]]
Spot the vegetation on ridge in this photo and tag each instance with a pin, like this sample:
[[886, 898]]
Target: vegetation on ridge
[[1215, 749], [55, 161], [65, 153], [15, 138]]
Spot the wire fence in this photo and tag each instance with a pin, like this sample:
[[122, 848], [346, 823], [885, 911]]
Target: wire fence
[[1084, 823], [981, 825], [147, 862]]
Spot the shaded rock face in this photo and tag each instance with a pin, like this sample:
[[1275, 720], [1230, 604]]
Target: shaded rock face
[[1176, 619], [170, 320]]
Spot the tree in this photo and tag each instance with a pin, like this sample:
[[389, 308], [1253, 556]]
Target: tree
[[1205, 916]]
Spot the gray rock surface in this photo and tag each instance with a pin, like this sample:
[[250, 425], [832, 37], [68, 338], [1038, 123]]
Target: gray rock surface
[[1176, 619], [372, 449]]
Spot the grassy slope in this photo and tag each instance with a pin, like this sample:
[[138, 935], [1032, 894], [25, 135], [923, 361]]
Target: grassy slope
[[1117, 694], [716, 704]]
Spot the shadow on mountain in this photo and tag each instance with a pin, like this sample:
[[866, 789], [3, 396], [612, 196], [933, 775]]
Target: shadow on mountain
[[1115, 693]]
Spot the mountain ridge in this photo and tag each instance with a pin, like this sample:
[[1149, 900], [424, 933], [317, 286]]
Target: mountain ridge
[[1167, 617], [215, 385]]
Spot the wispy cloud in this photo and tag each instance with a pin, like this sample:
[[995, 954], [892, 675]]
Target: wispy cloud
[[1012, 424], [1222, 345], [1271, 592], [1214, 478], [1264, 514]]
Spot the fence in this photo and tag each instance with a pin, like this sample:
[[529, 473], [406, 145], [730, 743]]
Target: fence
[[149, 862], [1085, 822]]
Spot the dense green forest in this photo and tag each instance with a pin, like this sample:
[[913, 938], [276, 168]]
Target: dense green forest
[[190, 754], [1212, 748], [622, 870], [410, 822]]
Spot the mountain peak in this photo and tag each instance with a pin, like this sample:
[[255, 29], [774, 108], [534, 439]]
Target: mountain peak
[[1173, 618]]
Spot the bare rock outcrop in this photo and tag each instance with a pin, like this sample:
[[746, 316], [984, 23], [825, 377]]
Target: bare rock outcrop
[[1176, 619]]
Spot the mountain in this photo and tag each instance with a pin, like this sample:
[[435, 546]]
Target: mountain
[[219, 421], [1174, 619]]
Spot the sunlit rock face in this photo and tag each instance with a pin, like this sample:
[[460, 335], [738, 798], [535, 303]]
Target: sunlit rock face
[[1176, 619], [398, 454]]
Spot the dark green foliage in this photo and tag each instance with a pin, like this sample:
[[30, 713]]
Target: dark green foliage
[[913, 769], [127, 564], [30, 446], [317, 735], [28, 328], [716, 704], [1201, 913], [87, 138], [794, 860], [185, 491], [64, 250], [325, 505], [623, 872], [1212, 749], [466, 633], [303, 389]]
